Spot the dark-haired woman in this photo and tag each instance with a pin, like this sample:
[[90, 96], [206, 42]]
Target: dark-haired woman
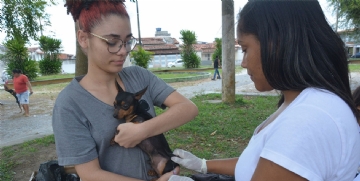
[[82, 118], [314, 134]]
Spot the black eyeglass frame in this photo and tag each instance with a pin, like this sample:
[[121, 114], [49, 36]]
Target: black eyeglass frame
[[122, 43]]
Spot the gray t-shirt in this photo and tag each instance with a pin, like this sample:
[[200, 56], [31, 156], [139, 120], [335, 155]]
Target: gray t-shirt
[[83, 125]]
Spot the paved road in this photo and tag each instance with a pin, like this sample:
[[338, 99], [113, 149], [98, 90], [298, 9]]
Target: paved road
[[19, 130]]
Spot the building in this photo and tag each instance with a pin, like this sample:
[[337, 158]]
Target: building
[[164, 47], [351, 38], [35, 53]]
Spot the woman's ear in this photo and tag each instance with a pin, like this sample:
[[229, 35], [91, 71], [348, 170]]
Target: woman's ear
[[82, 38]]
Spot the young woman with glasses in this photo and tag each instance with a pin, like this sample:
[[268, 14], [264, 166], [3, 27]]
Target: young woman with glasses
[[82, 118]]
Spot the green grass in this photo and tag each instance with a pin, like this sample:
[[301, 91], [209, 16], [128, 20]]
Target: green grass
[[10, 154], [354, 67], [55, 76], [219, 131], [173, 75]]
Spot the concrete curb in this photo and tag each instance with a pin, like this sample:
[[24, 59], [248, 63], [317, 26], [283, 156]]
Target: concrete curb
[[197, 76]]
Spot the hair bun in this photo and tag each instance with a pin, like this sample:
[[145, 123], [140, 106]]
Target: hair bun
[[76, 6]]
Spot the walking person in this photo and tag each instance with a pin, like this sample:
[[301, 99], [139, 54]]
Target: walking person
[[216, 67], [23, 89]]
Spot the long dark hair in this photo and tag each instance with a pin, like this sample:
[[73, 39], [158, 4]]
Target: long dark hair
[[298, 47]]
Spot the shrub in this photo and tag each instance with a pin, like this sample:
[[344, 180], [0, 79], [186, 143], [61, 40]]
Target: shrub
[[48, 66], [17, 57], [28, 67], [51, 63], [188, 54], [141, 57]]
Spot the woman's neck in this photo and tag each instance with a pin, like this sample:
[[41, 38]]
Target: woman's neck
[[289, 96]]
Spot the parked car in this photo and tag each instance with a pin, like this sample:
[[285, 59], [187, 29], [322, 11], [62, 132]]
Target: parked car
[[176, 63], [356, 55]]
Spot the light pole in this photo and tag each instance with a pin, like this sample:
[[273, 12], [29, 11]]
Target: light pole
[[138, 22]]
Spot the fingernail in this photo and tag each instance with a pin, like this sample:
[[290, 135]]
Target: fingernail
[[174, 172]]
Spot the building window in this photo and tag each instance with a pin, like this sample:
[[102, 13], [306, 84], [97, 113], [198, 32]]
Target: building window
[[208, 56]]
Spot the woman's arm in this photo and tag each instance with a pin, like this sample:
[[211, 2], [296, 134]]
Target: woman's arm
[[192, 162], [222, 166], [270, 171], [180, 111], [28, 84], [91, 171]]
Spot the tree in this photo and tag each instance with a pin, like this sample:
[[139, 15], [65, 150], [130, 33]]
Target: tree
[[218, 49], [347, 17], [19, 18], [188, 54], [51, 63], [17, 57], [141, 57], [228, 52]]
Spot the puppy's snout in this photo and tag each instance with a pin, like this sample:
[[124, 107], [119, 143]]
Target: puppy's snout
[[116, 113]]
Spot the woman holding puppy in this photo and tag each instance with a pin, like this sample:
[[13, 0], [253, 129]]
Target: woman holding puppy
[[83, 121]]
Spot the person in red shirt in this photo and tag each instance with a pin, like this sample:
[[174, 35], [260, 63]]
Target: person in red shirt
[[22, 86]]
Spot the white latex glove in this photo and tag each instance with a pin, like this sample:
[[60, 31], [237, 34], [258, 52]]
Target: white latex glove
[[179, 178], [189, 161]]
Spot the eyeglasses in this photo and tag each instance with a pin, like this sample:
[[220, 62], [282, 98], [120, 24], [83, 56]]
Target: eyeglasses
[[115, 44]]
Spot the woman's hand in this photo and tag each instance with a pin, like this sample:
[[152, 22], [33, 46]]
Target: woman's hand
[[130, 134], [189, 161], [179, 178], [172, 176]]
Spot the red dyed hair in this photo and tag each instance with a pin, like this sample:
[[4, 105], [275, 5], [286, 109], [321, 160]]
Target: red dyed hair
[[89, 12]]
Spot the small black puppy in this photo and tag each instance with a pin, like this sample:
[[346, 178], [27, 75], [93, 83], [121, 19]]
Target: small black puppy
[[13, 93], [127, 107]]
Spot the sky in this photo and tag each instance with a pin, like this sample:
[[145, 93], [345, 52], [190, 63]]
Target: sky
[[200, 16]]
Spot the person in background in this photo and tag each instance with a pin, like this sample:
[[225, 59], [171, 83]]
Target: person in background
[[314, 134], [83, 121], [216, 68], [23, 89]]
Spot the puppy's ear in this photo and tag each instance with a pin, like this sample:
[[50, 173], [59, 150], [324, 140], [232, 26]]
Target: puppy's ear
[[140, 93]]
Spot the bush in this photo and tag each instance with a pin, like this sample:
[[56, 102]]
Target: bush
[[141, 57], [191, 60], [48, 66], [28, 67], [17, 57], [188, 54], [51, 63]]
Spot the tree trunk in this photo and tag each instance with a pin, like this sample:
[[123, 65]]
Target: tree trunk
[[228, 52], [81, 63]]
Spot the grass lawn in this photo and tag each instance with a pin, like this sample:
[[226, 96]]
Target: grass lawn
[[55, 76], [354, 67], [160, 75], [219, 131]]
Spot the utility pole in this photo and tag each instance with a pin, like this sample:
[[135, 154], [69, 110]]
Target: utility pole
[[228, 52], [138, 22]]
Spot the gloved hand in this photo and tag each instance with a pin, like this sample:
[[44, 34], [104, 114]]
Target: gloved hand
[[179, 178], [189, 161]]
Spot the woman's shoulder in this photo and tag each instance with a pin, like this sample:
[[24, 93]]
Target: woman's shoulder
[[135, 69], [69, 92]]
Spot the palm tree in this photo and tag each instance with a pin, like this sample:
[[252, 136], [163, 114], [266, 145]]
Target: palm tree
[[188, 54]]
